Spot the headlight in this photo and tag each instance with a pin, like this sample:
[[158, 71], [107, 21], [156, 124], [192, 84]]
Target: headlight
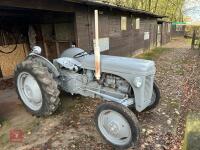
[[138, 82], [37, 50]]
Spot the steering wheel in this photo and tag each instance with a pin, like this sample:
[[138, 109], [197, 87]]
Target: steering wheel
[[91, 52], [81, 54]]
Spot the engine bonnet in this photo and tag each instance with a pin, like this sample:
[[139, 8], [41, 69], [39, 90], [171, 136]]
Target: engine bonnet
[[71, 52], [120, 64]]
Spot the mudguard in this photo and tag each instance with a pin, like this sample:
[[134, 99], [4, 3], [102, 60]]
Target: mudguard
[[45, 62]]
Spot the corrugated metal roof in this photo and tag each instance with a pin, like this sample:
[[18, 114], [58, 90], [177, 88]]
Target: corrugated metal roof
[[102, 4]]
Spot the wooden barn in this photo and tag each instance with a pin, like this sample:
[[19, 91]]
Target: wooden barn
[[178, 29], [163, 32], [56, 25]]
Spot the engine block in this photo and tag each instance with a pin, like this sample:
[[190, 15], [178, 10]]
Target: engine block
[[117, 83]]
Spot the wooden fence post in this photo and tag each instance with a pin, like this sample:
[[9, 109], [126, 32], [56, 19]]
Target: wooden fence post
[[1, 74], [192, 132], [193, 39], [199, 44]]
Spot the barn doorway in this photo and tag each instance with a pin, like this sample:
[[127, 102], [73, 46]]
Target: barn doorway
[[21, 29], [55, 32], [159, 35]]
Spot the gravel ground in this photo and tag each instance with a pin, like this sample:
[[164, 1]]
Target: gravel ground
[[162, 128], [178, 77], [6, 84]]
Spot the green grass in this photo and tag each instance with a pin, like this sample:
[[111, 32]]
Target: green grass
[[153, 54], [4, 134], [32, 126], [179, 71], [189, 40], [2, 120], [4, 139]]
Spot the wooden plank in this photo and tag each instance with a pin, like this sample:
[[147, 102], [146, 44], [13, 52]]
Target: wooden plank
[[46, 49], [82, 26], [51, 5], [51, 50], [8, 62], [121, 42], [57, 48]]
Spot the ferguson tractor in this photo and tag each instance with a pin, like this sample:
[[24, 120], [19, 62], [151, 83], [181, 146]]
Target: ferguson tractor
[[123, 84]]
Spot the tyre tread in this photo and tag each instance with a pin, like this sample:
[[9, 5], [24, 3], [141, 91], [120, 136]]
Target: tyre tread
[[48, 85], [129, 114]]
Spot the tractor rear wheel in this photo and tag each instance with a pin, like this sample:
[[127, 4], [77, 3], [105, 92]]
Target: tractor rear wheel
[[36, 88], [117, 125]]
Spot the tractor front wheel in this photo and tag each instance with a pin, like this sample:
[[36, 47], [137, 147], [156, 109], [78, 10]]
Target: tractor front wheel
[[155, 99], [117, 125], [36, 88]]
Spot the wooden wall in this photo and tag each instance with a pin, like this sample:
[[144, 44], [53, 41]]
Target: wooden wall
[[13, 47], [176, 33], [122, 43], [166, 35], [51, 33], [8, 62]]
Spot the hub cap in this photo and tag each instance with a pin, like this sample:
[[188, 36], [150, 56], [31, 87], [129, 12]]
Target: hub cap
[[29, 91], [114, 127]]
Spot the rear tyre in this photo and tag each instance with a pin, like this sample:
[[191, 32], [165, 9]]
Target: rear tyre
[[36, 88], [117, 125]]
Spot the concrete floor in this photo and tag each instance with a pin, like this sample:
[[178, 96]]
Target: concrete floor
[[9, 102]]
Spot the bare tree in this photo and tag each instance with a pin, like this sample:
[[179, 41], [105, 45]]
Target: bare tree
[[170, 8]]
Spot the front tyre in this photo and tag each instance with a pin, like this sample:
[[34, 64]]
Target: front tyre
[[117, 125], [155, 99], [36, 88]]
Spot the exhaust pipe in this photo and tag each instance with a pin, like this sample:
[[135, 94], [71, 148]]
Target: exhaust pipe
[[97, 47]]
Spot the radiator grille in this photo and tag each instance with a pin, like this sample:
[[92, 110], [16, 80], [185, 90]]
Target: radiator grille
[[148, 87]]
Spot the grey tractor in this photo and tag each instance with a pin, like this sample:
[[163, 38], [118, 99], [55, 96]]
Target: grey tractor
[[126, 84]]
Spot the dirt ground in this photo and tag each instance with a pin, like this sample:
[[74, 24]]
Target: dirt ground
[[72, 127]]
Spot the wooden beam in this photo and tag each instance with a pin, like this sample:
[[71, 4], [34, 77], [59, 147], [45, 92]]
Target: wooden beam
[[50, 5], [9, 13]]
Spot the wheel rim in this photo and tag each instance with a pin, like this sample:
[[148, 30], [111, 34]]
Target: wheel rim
[[114, 127], [29, 91]]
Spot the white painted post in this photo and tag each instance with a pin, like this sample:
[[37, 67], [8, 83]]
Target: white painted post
[[96, 47]]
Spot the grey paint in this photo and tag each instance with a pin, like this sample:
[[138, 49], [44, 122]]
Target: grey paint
[[123, 65], [104, 44], [126, 68], [71, 52]]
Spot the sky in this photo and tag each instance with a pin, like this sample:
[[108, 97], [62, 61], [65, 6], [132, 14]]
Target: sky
[[192, 9]]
